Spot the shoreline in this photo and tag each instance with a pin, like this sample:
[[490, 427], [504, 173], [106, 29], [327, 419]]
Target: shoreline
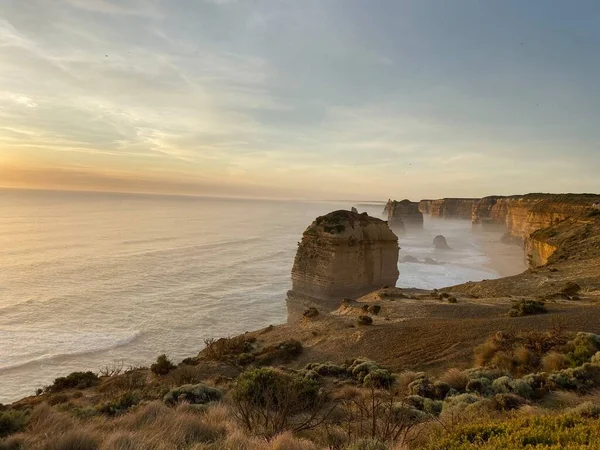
[[504, 259]]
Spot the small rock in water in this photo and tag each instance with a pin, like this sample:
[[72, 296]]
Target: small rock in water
[[440, 243], [409, 259]]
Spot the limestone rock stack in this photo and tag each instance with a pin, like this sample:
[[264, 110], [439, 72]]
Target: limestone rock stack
[[344, 254], [405, 215]]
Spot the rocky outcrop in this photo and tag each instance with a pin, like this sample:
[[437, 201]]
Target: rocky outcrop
[[404, 215], [343, 254], [440, 243], [449, 208]]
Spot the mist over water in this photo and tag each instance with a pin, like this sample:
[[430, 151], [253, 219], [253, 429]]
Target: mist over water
[[89, 279]]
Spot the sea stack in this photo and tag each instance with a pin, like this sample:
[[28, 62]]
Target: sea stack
[[405, 215], [343, 255]]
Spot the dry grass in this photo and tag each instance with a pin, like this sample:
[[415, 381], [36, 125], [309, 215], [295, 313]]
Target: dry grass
[[455, 378], [554, 361]]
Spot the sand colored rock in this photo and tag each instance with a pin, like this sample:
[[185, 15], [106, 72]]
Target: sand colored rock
[[344, 254], [523, 215], [404, 215], [449, 208]]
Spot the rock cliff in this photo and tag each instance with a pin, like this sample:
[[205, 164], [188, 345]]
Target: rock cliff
[[523, 215], [404, 215], [449, 208], [343, 254]]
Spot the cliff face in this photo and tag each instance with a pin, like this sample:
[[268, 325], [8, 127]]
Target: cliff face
[[425, 206], [538, 252], [344, 254], [523, 215], [450, 208], [404, 215]]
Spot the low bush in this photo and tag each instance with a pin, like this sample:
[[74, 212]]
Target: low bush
[[75, 380], [268, 400], [551, 431], [198, 394], [162, 366], [120, 405], [507, 402], [327, 369], [12, 421], [379, 379], [527, 308], [225, 349], [284, 352]]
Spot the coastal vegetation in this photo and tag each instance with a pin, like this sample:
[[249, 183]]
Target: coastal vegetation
[[528, 388]]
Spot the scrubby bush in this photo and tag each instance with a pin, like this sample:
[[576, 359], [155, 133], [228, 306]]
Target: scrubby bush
[[379, 379], [554, 361], [587, 409], [12, 421], [582, 348], [327, 369], [452, 300], [527, 308], [162, 366], [507, 402], [284, 351], [120, 405], [271, 401], [196, 394], [479, 385], [75, 380], [550, 431], [226, 349], [455, 378], [423, 387]]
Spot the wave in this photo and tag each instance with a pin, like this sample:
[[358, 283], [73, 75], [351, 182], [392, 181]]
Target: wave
[[112, 341]]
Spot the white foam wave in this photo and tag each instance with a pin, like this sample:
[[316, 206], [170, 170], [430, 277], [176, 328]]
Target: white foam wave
[[24, 347]]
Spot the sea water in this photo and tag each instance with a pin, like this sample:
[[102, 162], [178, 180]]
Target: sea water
[[94, 279]]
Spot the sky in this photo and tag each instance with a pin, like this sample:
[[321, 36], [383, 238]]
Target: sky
[[316, 99]]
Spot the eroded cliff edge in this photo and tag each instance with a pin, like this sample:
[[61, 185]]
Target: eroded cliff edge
[[343, 254], [403, 215]]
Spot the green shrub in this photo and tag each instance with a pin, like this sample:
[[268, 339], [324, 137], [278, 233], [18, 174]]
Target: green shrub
[[379, 379], [120, 405], [162, 366], [551, 431], [423, 387], [479, 385], [12, 421], [327, 369], [75, 380], [527, 308], [197, 394], [507, 402], [361, 368], [583, 347], [269, 387]]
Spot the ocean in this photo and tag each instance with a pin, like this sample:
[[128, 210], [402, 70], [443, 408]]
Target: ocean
[[97, 279]]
